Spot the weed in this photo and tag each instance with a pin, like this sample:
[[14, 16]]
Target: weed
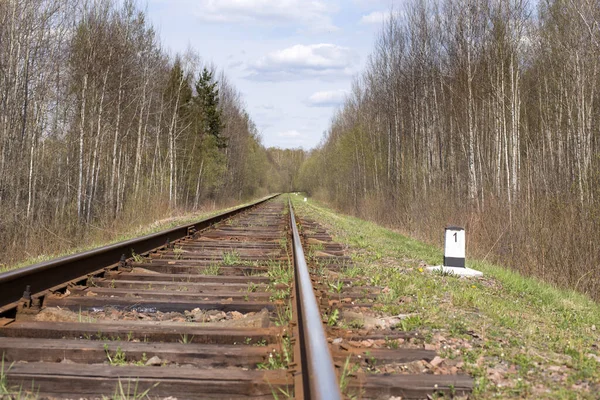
[[281, 359], [332, 319], [283, 243], [129, 392], [118, 359], [353, 271], [138, 258], [391, 343], [83, 318], [345, 374], [252, 272], [388, 297], [284, 315], [280, 273], [287, 393], [319, 270], [279, 295], [101, 336], [4, 389], [371, 362], [13, 393], [317, 246], [444, 273], [185, 338], [231, 257], [337, 286], [410, 323], [357, 324], [252, 287], [212, 269], [142, 361], [179, 251]]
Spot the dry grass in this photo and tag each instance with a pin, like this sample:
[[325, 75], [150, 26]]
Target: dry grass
[[59, 237]]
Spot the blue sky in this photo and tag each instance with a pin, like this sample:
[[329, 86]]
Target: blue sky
[[292, 60]]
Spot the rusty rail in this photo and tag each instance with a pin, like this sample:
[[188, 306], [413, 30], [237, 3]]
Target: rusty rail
[[318, 371], [52, 273]]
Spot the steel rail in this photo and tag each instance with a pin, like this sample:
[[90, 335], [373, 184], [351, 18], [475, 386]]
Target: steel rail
[[52, 273], [318, 372]]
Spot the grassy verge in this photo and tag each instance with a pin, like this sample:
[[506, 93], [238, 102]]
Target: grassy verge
[[127, 234], [518, 337]]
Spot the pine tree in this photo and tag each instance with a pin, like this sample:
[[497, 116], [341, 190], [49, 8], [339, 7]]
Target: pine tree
[[207, 98]]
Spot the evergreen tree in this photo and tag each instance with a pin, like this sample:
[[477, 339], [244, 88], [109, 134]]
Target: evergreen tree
[[207, 98]]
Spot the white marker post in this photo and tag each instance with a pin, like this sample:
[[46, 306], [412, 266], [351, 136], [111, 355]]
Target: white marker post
[[454, 247], [305, 199], [454, 254]]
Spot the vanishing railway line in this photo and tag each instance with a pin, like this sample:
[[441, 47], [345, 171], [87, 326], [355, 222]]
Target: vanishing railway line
[[225, 308]]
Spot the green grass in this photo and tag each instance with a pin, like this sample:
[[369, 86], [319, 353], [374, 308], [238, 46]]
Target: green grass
[[278, 359], [542, 341], [130, 392], [212, 269], [13, 392], [231, 258], [117, 359], [280, 272]]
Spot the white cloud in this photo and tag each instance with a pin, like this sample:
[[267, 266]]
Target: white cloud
[[235, 64], [329, 98], [376, 17], [300, 62], [314, 14], [291, 139], [290, 134]]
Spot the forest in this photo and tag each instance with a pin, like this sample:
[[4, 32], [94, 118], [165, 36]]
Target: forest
[[483, 113], [102, 129]]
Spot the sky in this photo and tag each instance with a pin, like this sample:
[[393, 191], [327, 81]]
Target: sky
[[292, 60]]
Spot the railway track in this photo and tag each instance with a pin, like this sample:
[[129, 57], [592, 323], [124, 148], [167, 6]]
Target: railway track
[[225, 308]]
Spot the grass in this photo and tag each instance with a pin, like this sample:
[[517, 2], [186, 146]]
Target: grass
[[284, 314], [129, 392], [118, 359], [279, 295], [4, 388], [517, 336], [12, 392], [333, 318], [212, 269], [278, 359], [231, 258], [347, 371], [138, 258], [280, 273], [186, 339]]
